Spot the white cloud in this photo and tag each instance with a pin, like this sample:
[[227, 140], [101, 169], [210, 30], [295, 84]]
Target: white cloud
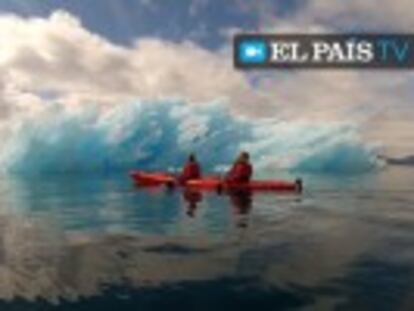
[[374, 15], [379, 14], [57, 55]]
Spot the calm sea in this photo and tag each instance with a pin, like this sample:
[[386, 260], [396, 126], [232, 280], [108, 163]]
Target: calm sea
[[99, 243]]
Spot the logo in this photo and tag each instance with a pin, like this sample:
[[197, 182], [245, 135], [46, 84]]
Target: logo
[[324, 51], [253, 52]]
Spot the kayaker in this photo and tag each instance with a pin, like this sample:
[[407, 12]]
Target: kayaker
[[191, 170], [242, 170]]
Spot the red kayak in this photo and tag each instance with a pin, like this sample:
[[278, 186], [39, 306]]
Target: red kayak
[[214, 183], [254, 185]]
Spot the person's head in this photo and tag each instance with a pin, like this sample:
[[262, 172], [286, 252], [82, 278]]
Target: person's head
[[192, 157], [243, 157]]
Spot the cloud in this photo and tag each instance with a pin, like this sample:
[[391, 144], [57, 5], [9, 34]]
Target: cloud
[[372, 14], [59, 56], [354, 15]]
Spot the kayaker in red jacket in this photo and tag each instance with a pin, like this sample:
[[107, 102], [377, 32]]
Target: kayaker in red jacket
[[242, 170], [191, 170]]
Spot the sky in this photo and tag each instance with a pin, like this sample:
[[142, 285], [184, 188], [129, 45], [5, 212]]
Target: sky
[[122, 21], [105, 52]]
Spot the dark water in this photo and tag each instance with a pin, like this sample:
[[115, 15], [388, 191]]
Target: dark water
[[83, 243]]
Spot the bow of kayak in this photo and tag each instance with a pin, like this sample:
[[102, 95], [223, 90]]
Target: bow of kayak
[[143, 179]]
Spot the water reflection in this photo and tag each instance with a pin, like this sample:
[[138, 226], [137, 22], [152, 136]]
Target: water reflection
[[192, 197], [241, 202], [74, 240]]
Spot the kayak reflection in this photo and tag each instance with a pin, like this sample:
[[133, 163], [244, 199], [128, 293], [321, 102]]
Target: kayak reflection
[[192, 198], [240, 201]]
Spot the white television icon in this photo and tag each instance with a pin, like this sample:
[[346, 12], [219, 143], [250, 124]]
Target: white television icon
[[253, 51]]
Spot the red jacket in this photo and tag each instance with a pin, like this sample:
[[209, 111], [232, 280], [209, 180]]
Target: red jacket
[[191, 170], [240, 172]]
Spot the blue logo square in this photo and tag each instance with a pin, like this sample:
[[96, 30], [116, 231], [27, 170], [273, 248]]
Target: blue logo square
[[253, 52]]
